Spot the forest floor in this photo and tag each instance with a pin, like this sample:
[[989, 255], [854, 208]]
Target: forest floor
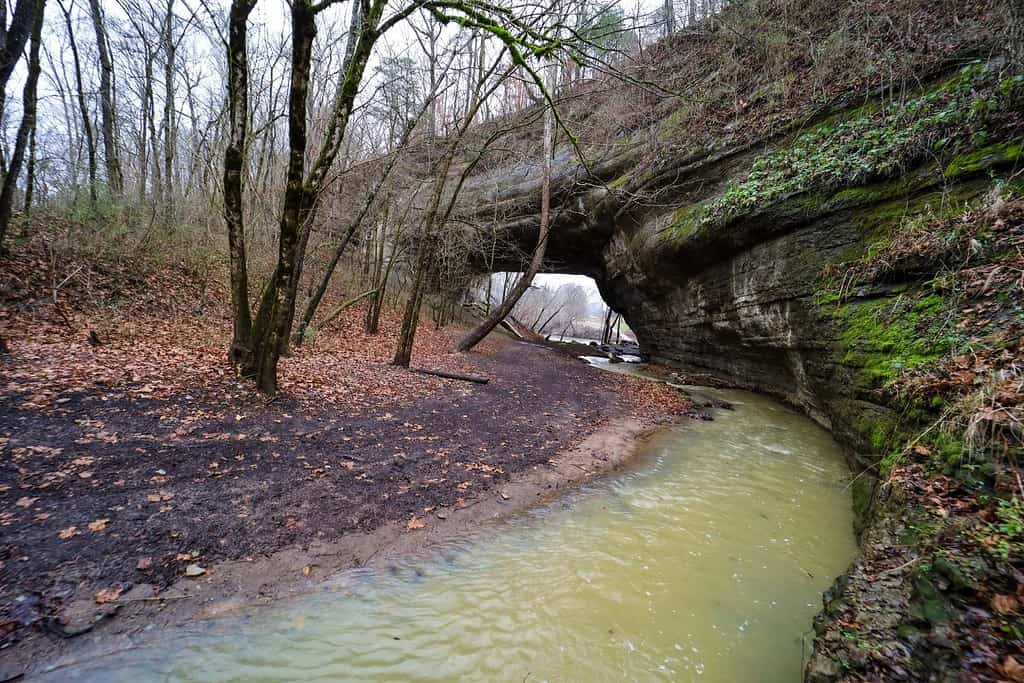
[[130, 464]]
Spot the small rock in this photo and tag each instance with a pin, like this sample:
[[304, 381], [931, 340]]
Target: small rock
[[441, 514], [194, 570], [142, 591], [504, 496], [144, 563]]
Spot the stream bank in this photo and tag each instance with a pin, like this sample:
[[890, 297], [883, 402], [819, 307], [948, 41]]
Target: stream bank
[[701, 560], [862, 262], [267, 499]]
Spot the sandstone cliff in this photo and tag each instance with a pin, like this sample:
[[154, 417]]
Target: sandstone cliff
[[845, 252]]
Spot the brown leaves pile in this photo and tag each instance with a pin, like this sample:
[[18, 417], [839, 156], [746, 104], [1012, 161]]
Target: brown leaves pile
[[108, 595], [984, 387], [652, 399], [169, 332]]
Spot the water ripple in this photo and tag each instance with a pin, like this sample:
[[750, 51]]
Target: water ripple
[[704, 563]]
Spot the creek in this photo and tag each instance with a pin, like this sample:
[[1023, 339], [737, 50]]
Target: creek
[[703, 561]]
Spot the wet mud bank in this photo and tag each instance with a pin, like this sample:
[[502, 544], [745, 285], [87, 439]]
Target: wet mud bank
[[209, 508], [700, 559]]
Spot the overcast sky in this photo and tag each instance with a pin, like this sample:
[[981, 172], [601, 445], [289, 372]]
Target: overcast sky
[[553, 281]]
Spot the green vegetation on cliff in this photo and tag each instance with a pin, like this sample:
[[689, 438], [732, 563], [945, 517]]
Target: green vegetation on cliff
[[887, 336], [872, 143]]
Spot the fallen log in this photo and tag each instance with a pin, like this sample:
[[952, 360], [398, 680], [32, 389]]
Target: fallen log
[[452, 375], [345, 306], [311, 331]]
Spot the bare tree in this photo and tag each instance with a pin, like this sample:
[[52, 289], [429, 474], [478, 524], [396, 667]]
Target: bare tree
[[115, 179], [28, 119], [90, 144], [13, 38], [477, 334]]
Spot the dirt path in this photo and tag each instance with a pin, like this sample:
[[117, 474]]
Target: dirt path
[[110, 494]]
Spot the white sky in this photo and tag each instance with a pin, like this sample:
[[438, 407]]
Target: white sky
[[553, 281]]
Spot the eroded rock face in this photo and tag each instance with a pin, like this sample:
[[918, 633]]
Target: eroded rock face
[[748, 298], [746, 262]]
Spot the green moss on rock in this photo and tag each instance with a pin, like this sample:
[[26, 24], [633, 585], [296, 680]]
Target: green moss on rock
[[686, 222], [999, 154], [884, 337], [618, 182]]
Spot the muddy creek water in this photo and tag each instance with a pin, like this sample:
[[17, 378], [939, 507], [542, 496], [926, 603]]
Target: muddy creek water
[[704, 561]]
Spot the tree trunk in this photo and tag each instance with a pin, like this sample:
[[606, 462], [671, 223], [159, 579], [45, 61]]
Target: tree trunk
[[411, 319], [154, 150], [377, 303], [540, 330], [28, 119], [369, 322], [1016, 33], [273, 319], [143, 158], [325, 279], [276, 312], [241, 352], [13, 39], [30, 171], [115, 181], [90, 144], [170, 123], [345, 306], [476, 335], [490, 280]]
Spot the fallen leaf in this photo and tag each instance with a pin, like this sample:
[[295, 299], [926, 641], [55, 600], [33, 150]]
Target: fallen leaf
[[415, 523], [25, 501], [98, 524], [108, 595], [68, 533], [1013, 669], [159, 496], [144, 563], [1005, 604]]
